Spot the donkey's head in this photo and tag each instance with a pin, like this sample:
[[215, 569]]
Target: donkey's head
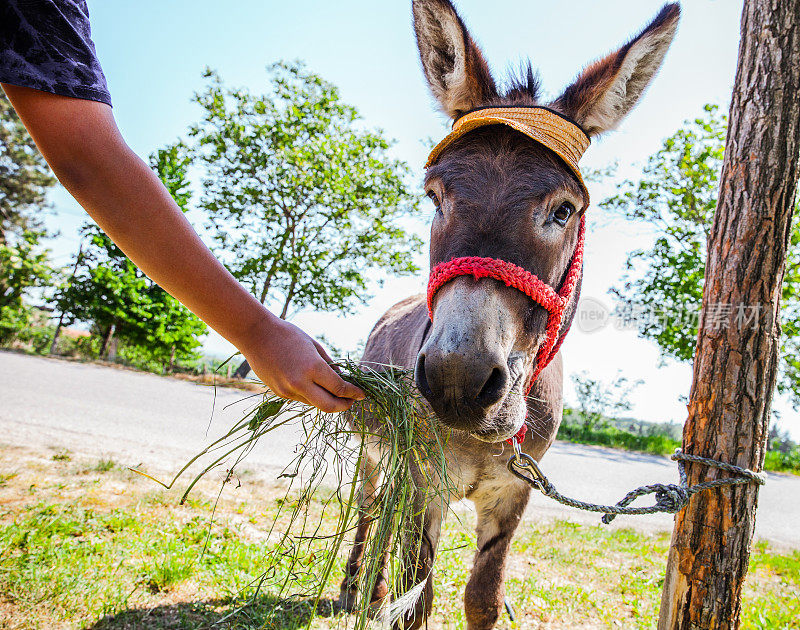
[[499, 194]]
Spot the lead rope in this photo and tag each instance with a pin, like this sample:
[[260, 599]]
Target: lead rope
[[670, 498]]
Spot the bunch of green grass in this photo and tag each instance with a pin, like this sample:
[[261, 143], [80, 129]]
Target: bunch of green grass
[[411, 473]]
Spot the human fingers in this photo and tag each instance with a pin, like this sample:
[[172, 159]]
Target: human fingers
[[331, 381], [321, 398]]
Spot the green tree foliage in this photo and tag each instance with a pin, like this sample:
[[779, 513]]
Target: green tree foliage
[[663, 287], [302, 201], [172, 164], [25, 177], [598, 401], [789, 376], [23, 266], [107, 290], [112, 294]]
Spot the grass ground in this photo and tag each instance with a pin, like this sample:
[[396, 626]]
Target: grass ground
[[86, 544]]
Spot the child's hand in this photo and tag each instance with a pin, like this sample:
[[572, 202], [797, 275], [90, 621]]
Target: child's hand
[[295, 366]]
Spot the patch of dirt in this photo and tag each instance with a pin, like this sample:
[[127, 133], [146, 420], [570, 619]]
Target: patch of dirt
[[28, 477]]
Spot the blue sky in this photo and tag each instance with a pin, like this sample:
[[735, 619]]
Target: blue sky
[[154, 54]]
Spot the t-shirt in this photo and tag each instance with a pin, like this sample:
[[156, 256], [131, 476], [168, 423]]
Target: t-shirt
[[47, 45]]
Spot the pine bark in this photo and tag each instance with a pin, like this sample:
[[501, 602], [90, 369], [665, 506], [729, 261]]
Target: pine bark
[[735, 366]]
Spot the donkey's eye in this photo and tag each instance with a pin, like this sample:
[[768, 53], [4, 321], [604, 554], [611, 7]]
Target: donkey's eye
[[563, 213], [434, 198]]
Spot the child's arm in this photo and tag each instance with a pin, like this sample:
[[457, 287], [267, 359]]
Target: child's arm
[[81, 142]]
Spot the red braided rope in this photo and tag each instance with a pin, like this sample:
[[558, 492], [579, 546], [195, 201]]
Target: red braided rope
[[522, 280]]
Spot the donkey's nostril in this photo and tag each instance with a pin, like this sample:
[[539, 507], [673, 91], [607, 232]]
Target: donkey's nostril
[[422, 378], [494, 388]]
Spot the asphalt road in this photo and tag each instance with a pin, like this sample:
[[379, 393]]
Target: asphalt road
[[161, 422]]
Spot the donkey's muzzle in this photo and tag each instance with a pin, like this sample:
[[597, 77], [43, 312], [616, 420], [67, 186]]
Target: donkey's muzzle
[[462, 388]]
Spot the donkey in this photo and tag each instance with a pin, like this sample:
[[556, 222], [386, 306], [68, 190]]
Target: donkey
[[497, 193]]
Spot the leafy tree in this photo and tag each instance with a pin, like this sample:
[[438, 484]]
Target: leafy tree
[[174, 333], [172, 164], [23, 266], [109, 291], [24, 175], [789, 374], [598, 401], [302, 201], [779, 439], [24, 181], [662, 290]]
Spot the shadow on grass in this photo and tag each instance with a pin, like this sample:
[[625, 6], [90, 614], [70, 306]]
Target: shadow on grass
[[265, 611]]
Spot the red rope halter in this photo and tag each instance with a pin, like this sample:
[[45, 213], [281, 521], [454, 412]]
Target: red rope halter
[[517, 277]]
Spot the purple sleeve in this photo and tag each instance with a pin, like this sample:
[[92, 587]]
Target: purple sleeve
[[47, 45]]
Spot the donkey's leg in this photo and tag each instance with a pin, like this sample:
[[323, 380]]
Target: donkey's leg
[[500, 507], [368, 476], [419, 550]]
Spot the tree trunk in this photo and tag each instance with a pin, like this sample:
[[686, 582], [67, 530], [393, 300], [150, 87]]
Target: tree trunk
[[78, 258], [243, 369], [289, 298], [54, 343], [274, 267], [107, 340], [735, 363], [265, 287], [111, 350]]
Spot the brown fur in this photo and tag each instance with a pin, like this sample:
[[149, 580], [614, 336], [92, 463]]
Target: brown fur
[[497, 188], [498, 192], [581, 99], [458, 75]]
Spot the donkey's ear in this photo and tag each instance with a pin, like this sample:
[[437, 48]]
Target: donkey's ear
[[456, 71], [607, 90]]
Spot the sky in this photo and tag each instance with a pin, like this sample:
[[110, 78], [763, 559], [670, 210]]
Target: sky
[[154, 54]]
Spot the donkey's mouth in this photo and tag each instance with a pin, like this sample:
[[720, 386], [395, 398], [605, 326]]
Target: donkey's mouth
[[494, 435], [504, 431]]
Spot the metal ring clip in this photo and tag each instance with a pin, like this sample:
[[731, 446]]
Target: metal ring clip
[[523, 463], [517, 452]]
